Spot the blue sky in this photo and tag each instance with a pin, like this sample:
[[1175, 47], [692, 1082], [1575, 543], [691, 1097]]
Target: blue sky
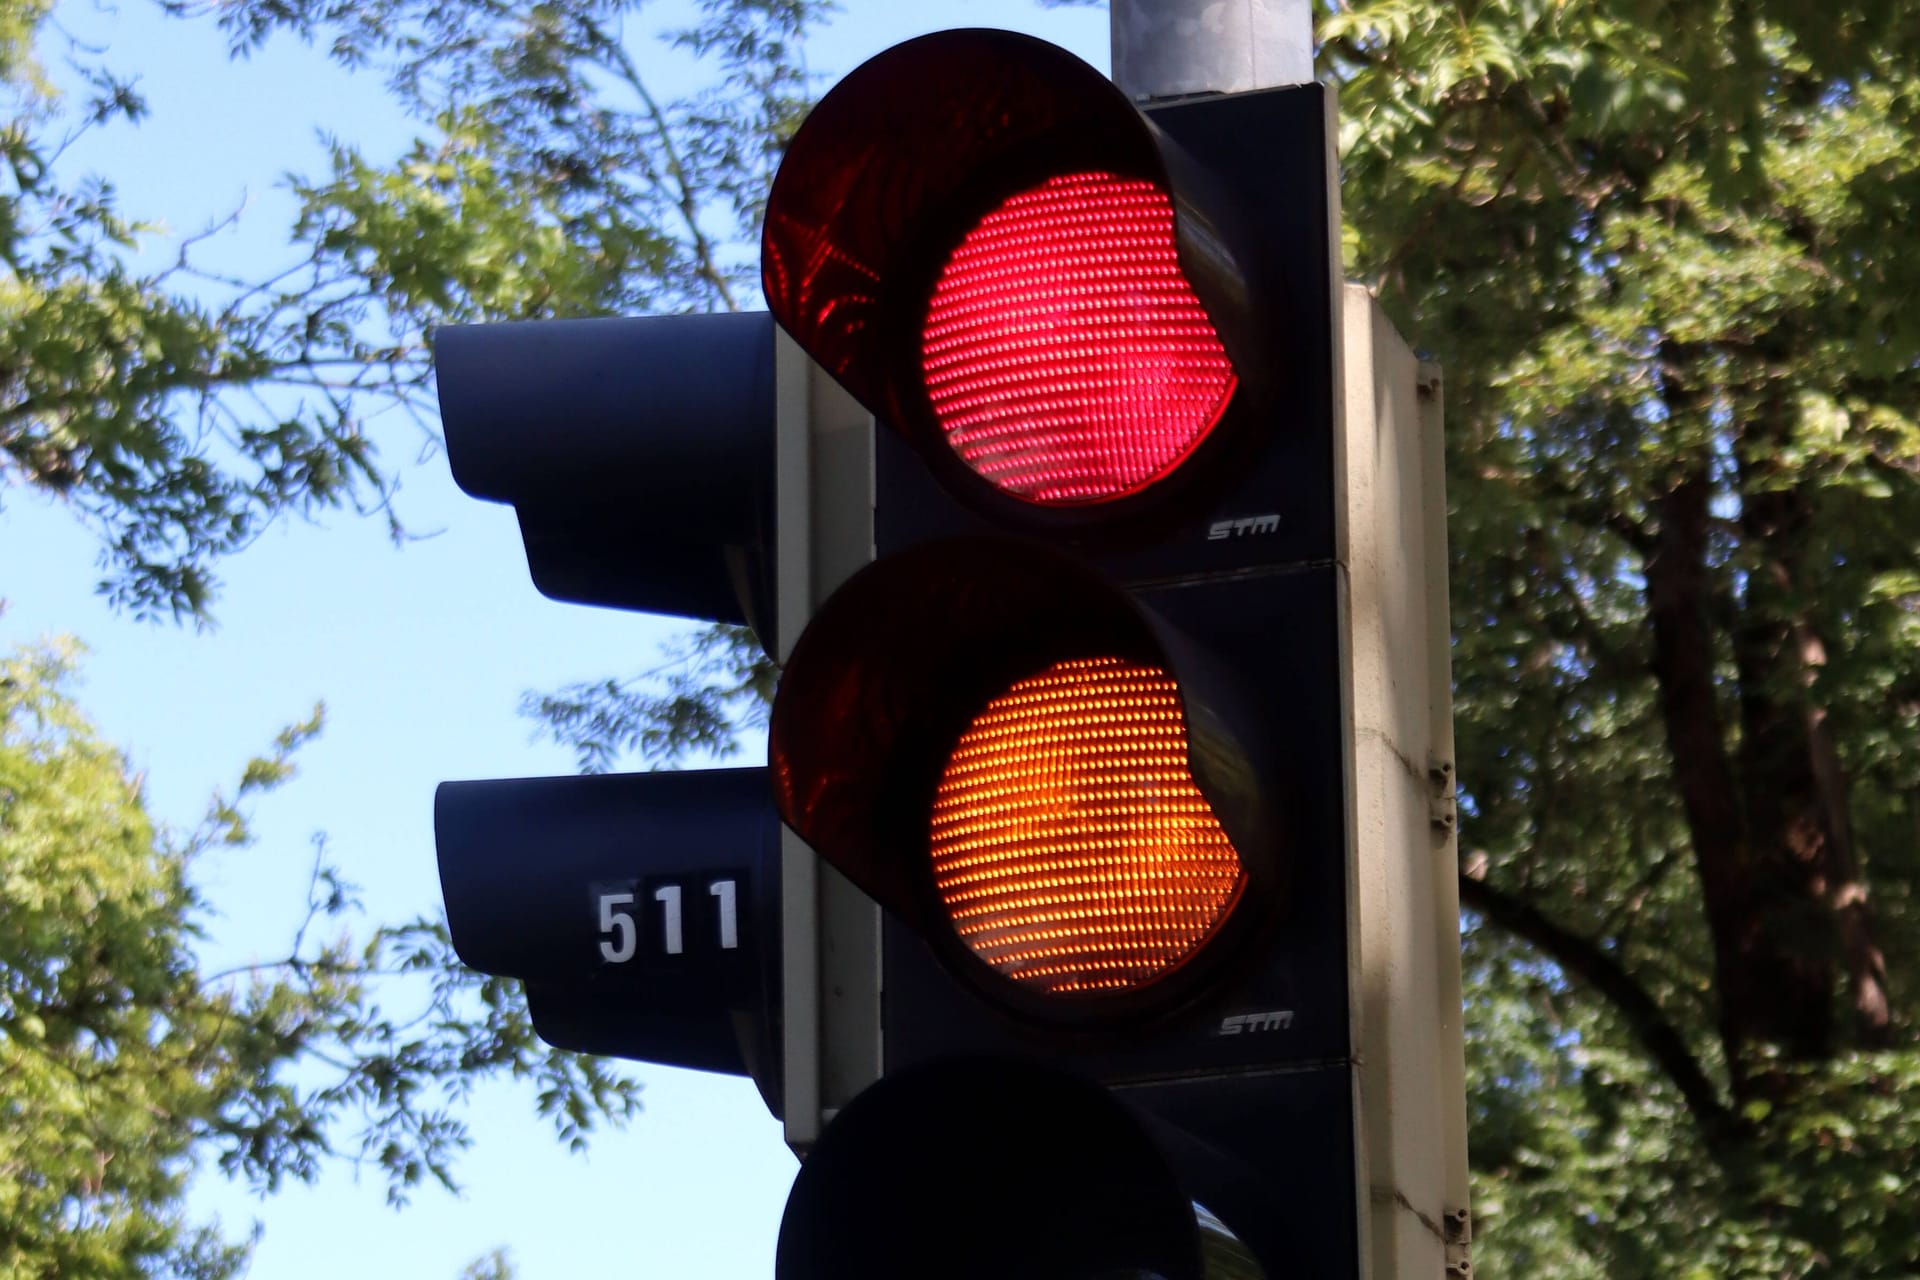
[[420, 653]]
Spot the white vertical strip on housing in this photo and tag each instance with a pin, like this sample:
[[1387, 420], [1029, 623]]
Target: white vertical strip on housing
[[830, 931], [799, 868]]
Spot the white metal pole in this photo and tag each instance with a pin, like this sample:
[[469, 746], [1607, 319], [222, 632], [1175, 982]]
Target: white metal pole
[[1175, 48]]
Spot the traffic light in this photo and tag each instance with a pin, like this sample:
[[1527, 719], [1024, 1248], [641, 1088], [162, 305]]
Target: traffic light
[[1097, 527], [643, 912], [638, 454], [1137, 726]]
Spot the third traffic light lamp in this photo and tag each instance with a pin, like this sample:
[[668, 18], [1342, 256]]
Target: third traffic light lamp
[[1087, 726]]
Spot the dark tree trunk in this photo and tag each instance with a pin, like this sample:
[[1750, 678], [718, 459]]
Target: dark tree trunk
[[1771, 992], [1768, 819], [1794, 790]]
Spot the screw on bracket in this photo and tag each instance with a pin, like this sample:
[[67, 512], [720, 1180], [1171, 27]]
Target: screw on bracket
[[1440, 809], [1458, 1225], [1427, 384]]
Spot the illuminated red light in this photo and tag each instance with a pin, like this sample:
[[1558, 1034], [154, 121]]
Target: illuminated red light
[[1071, 849], [1066, 356]]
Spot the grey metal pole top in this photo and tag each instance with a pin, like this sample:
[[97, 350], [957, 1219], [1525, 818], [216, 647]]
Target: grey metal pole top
[[1174, 48]]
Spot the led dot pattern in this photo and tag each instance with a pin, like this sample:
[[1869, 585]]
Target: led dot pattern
[[1071, 848], [1066, 356]]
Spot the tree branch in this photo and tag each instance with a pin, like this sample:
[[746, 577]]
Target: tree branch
[[1587, 961], [621, 63]]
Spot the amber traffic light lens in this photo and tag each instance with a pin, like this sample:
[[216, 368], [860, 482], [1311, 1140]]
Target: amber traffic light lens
[[1071, 848], [1066, 357]]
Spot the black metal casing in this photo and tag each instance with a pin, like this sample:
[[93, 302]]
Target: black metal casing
[[526, 863], [1246, 1069], [1257, 1066], [637, 453]]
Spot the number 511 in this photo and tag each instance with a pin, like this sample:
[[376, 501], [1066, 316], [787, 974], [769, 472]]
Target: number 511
[[620, 917]]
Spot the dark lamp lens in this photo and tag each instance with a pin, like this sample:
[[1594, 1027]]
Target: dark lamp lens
[[1071, 849], [1066, 356]]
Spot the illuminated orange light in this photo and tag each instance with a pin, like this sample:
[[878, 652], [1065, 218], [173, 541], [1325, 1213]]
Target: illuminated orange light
[[1071, 848], [1066, 356]]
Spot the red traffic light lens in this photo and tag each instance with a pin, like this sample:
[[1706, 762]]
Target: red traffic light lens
[[1071, 849], [1066, 356]]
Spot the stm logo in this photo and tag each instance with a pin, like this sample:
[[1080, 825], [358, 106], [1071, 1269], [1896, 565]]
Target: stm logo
[[1273, 1020], [1245, 527]]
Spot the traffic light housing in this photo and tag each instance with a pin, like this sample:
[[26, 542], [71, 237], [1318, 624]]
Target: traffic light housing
[[643, 912], [1091, 726], [637, 453], [1125, 761], [626, 950]]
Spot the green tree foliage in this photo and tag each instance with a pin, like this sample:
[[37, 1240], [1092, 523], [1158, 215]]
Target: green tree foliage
[[175, 411], [497, 1265], [125, 1065], [711, 686], [114, 1056], [553, 180], [1662, 253]]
